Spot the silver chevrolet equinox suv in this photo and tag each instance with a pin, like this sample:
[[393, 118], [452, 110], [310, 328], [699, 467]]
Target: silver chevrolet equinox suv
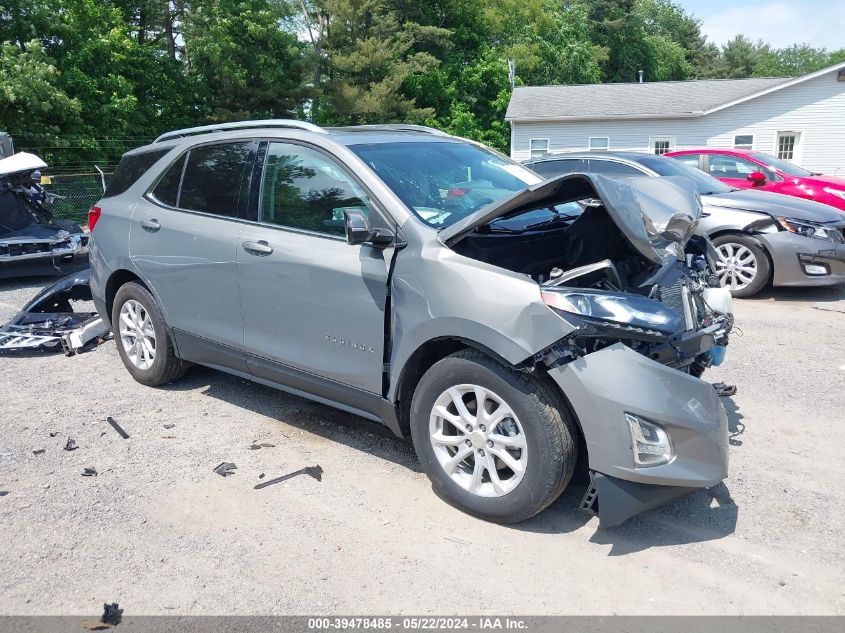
[[512, 327]]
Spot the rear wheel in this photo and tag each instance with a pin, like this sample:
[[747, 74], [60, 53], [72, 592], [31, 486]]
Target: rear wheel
[[495, 442], [743, 266], [142, 337]]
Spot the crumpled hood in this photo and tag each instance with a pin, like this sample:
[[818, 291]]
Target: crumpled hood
[[776, 204], [657, 215]]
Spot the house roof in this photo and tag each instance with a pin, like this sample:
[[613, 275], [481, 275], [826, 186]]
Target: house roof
[[658, 100]]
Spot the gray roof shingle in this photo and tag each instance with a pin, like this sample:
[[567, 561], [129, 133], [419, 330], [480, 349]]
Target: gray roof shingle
[[657, 99]]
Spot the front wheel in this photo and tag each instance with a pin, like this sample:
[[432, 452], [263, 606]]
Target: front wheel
[[494, 441], [743, 266]]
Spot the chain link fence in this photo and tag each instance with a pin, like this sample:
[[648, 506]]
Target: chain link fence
[[74, 190]]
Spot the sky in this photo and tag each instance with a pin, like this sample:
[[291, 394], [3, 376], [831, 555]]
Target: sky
[[820, 23]]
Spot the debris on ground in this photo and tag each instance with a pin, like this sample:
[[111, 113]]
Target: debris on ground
[[54, 433], [255, 446], [89, 471], [49, 323], [169, 426], [168, 437], [226, 468], [724, 390], [261, 476], [314, 471], [39, 451], [112, 614], [3, 493], [117, 428], [71, 444]]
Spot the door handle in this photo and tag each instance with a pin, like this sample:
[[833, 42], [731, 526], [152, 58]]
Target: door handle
[[260, 248], [151, 225]]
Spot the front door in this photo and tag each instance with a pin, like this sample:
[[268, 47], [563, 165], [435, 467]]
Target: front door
[[734, 171], [184, 236], [310, 301]]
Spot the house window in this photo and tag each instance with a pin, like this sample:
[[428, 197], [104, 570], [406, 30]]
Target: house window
[[661, 144], [538, 147], [599, 143], [744, 141], [787, 144]]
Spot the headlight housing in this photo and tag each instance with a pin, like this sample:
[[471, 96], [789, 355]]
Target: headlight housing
[[630, 310], [811, 229], [835, 192], [649, 442]]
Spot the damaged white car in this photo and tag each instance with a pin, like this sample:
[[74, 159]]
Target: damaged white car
[[32, 242]]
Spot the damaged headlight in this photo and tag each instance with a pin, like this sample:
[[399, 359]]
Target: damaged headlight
[[616, 308], [811, 229], [649, 442]]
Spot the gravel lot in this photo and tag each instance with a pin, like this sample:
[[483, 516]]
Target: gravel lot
[[160, 533]]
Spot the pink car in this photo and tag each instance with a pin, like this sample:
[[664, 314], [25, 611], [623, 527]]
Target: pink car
[[747, 169]]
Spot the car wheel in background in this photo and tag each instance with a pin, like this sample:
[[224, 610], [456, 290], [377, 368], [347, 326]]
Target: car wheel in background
[[142, 337], [743, 266], [495, 442]]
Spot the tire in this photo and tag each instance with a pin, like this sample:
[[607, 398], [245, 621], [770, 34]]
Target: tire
[[164, 367], [547, 431], [747, 250], [68, 225]]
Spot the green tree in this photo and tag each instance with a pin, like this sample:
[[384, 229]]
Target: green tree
[[32, 104], [244, 63], [792, 61], [740, 57]]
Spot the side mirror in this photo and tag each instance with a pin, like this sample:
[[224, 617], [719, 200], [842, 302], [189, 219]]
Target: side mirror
[[756, 177], [359, 231]]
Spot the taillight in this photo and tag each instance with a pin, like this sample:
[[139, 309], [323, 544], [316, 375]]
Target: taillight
[[94, 215]]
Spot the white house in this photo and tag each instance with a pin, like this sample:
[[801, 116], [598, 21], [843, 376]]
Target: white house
[[800, 119]]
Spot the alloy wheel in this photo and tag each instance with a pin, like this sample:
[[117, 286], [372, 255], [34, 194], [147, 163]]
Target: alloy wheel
[[736, 267], [478, 440], [137, 334]]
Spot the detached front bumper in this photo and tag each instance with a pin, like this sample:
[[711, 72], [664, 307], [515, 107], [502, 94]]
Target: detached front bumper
[[605, 385], [795, 259]]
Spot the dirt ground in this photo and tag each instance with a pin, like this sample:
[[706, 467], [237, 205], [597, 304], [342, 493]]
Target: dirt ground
[[159, 532]]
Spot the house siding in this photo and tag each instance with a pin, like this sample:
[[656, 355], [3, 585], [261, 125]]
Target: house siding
[[815, 108]]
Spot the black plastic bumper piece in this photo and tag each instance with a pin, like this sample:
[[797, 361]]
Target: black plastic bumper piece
[[619, 500]]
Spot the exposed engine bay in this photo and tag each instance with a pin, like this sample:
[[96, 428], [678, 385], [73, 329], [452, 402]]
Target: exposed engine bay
[[668, 306]]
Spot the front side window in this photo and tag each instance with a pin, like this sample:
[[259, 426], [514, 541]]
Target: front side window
[[305, 189], [538, 147], [444, 181], [722, 166], [214, 179], [744, 141]]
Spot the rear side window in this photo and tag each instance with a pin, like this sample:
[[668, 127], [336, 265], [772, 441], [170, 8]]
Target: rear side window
[[549, 168], [130, 169], [167, 189], [214, 178], [612, 168]]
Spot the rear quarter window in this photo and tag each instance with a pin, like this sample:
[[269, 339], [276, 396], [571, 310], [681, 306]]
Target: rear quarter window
[[130, 169]]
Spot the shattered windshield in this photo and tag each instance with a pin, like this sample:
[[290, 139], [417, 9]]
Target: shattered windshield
[[445, 181]]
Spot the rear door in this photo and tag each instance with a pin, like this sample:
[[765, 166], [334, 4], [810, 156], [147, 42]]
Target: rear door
[[184, 236], [310, 301]]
